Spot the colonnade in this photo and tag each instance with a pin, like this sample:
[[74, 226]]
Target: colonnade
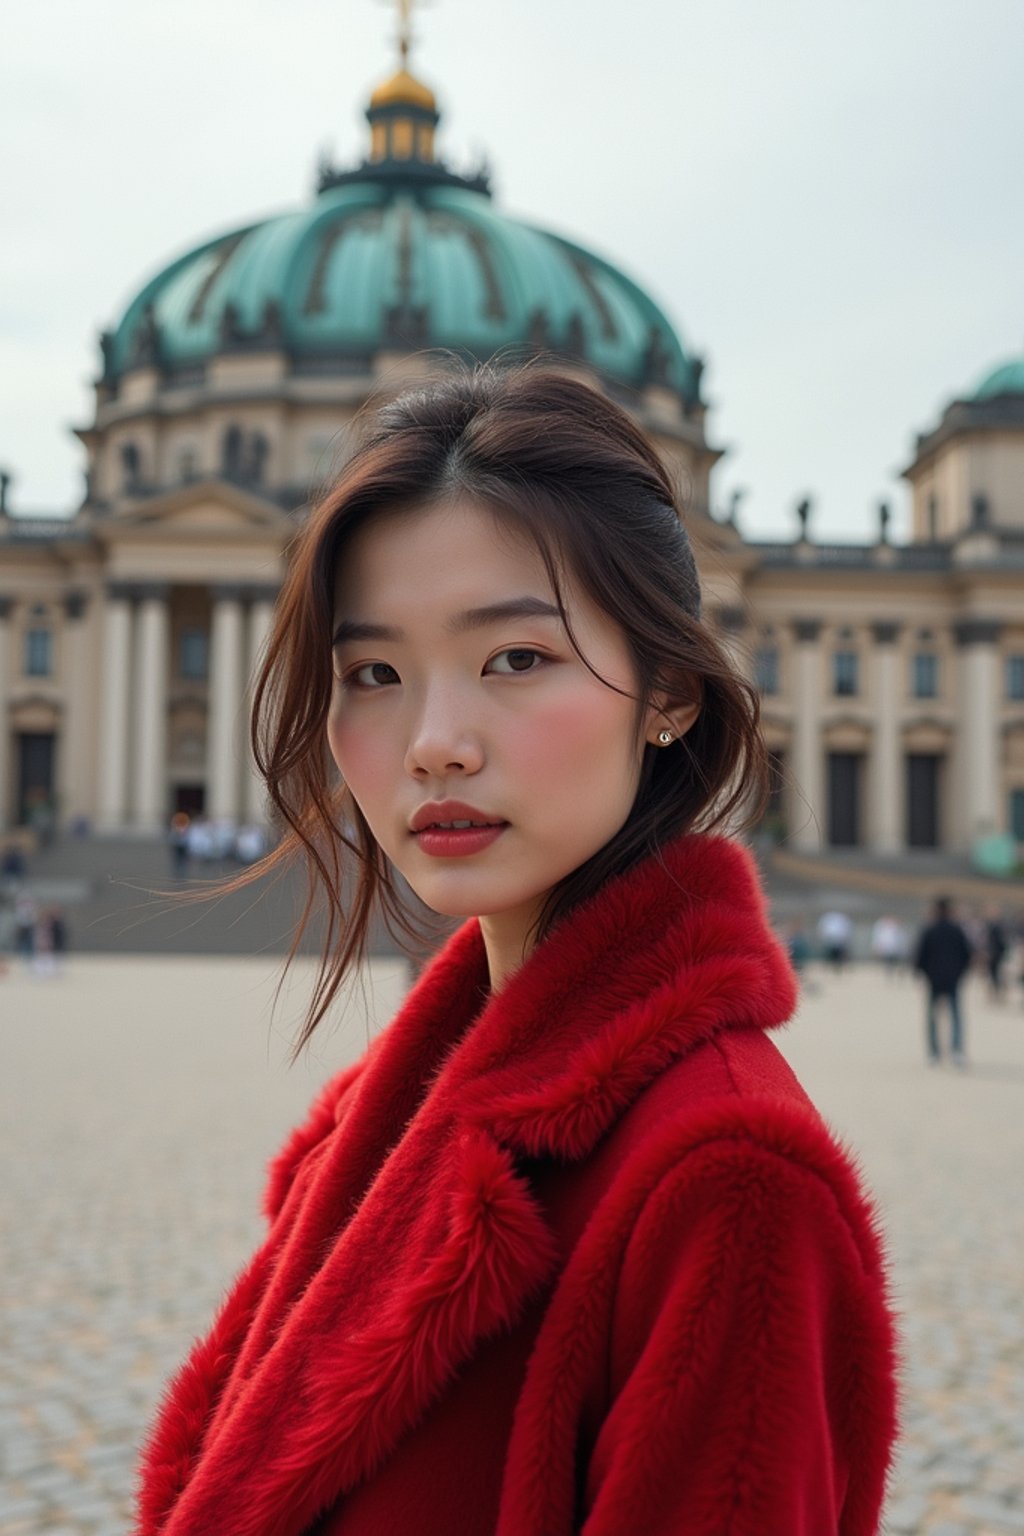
[[134, 712], [973, 801], [135, 698]]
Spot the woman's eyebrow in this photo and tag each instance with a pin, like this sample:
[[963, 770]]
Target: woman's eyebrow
[[459, 623]]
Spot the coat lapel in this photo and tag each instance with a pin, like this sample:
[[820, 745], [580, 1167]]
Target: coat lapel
[[408, 1236]]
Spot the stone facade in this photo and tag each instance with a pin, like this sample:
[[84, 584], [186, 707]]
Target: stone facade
[[892, 677], [129, 634]]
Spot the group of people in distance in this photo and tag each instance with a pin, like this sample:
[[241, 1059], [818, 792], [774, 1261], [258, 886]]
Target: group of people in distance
[[944, 953], [202, 840]]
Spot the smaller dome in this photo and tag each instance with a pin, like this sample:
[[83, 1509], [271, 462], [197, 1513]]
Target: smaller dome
[[404, 90], [1008, 379]]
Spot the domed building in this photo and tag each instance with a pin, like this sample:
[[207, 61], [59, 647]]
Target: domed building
[[892, 677], [223, 405], [243, 359]]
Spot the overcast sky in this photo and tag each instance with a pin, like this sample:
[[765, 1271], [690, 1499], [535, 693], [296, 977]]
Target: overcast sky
[[825, 199]]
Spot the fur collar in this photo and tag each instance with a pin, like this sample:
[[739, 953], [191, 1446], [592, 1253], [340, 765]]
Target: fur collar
[[403, 1232]]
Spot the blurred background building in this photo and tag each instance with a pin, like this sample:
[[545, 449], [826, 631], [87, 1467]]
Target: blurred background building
[[892, 676]]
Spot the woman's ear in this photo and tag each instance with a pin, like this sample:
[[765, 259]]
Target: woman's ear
[[668, 713]]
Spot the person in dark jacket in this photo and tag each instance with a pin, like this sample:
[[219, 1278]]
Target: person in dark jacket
[[943, 959], [997, 946]]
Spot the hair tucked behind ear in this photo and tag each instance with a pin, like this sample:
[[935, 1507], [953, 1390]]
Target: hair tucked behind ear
[[572, 471]]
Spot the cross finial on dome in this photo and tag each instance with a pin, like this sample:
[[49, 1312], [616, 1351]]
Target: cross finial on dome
[[405, 10]]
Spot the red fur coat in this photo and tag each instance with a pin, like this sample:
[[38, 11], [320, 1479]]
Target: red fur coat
[[580, 1257]]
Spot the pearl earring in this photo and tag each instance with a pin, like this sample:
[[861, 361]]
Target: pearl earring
[[664, 737]]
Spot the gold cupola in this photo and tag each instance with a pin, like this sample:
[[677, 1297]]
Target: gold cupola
[[403, 111]]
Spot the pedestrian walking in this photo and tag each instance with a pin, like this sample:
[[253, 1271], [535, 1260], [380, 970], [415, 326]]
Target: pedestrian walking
[[798, 945], [50, 943], [26, 915], [943, 958], [889, 943], [568, 1249], [835, 931], [996, 946], [13, 867], [178, 842]]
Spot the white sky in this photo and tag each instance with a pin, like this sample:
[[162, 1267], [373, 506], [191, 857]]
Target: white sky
[[826, 199]]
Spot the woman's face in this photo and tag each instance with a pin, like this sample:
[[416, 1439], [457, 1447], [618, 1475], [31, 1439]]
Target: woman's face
[[437, 698]]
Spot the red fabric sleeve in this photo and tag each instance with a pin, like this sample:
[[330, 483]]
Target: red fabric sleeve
[[751, 1366]]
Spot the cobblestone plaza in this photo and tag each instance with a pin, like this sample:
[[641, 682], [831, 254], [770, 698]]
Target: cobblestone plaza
[[141, 1098]]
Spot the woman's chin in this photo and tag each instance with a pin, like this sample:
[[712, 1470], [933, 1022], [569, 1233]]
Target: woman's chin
[[482, 903]]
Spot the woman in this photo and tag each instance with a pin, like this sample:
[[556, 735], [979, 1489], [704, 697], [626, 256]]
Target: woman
[[568, 1249]]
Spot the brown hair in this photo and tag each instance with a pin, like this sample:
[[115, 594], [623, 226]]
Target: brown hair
[[573, 472]]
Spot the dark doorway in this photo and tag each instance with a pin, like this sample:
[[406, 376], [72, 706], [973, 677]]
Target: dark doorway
[[37, 754], [923, 769], [844, 775], [190, 798]]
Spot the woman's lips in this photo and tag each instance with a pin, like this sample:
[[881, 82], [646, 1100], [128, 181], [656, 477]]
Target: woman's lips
[[457, 842]]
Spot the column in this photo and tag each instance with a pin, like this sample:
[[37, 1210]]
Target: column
[[6, 745], [976, 803], [261, 618], [885, 815], [112, 799], [79, 688], [224, 708], [807, 812], [153, 663]]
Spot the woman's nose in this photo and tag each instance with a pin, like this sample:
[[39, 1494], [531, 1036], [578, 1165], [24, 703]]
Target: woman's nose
[[444, 738]]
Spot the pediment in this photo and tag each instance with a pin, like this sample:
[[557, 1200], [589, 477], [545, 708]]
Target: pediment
[[208, 507]]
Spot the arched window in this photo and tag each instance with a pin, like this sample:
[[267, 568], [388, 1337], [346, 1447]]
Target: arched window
[[131, 466], [925, 675], [38, 651], [193, 654], [766, 669], [1015, 677], [232, 453], [844, 673]]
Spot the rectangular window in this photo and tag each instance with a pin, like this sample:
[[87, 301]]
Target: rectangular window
[[844, 673], [766, 669], [1015, 677], [193, 658], [38, 653], [925, 680], [1017, 814]]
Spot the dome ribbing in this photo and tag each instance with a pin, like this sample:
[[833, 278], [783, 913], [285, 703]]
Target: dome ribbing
[[400, 253]]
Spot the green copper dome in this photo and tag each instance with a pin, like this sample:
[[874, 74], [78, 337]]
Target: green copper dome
[[1008, 379], [398, 254]]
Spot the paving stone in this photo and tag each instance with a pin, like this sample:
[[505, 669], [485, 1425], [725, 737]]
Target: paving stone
[[905, 1515], [930, 1146], [22, 1454], [956, 1473], [15, 1509], [994, 1511], [132, 1213]]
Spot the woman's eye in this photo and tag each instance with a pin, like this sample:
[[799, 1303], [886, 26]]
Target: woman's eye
[[372, 674], [519, 660]]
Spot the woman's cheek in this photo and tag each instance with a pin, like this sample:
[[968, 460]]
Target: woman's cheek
[[359, 758], [578, 731]]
